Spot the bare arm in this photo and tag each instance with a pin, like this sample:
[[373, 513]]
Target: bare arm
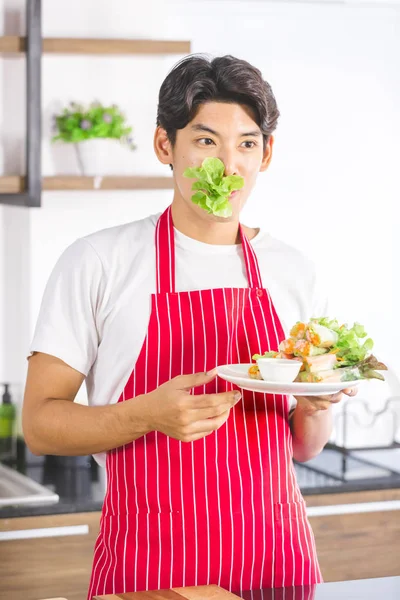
[[311, 430], [311, 424], [54, 424]]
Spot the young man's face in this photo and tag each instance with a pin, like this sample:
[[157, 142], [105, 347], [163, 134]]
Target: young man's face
[[226, 131]]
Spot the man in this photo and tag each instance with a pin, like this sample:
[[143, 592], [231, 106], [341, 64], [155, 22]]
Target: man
[[201, 486]]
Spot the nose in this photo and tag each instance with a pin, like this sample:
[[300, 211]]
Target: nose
[[231, 167]]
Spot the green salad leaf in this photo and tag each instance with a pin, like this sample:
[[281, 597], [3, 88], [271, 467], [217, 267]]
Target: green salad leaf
[[212, 188], [351, 347], [332, 324]]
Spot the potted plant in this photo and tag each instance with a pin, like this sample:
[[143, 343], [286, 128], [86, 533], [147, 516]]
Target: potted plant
[[96, 132]]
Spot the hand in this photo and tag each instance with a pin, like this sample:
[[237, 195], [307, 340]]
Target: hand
[[312, 404], [172, 410]]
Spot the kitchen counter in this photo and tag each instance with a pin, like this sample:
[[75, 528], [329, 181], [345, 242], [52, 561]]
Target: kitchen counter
[[387, 588], [77, 479]]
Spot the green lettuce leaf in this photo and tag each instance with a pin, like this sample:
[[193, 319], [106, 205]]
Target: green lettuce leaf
[[352, 346], [329, 323], [212, 188]]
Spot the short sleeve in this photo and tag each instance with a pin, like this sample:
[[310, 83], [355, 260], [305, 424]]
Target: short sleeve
[[66, 325]]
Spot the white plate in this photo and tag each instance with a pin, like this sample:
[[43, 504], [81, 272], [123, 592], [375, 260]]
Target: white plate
[[238, 375]]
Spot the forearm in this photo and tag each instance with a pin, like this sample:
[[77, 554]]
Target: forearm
[[62, 427], [311, 430]]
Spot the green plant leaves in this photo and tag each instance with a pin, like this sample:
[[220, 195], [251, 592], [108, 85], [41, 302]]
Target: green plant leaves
[[77, 123]]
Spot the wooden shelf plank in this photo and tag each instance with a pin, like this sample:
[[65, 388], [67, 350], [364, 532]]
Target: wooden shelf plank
[[106, 183], [13, 44], [14, 184]]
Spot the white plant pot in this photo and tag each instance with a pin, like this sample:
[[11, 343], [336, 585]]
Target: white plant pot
[[103, 156]]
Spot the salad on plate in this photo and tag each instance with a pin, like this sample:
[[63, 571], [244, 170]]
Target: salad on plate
[[329, 352]]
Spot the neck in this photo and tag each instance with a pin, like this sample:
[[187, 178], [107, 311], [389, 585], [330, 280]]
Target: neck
[[206, 230]]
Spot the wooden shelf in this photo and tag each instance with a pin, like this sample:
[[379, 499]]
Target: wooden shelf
[[15, 44], [12, 184], [15, 184]]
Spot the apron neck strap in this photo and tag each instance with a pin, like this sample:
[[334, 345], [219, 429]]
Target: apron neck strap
[[165, 253], [251, 262], [165, 256]]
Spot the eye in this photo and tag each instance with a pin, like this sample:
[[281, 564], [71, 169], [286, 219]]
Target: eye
[[205, 141], [249, 144]]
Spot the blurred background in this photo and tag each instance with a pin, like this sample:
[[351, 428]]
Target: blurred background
[[332, 190]]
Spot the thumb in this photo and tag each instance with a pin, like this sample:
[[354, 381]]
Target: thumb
[[187, 382]]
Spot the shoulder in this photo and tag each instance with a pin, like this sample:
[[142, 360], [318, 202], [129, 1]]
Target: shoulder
[[106, 255], [115, 242]]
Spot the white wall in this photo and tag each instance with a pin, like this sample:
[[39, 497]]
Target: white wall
[[333, 186]]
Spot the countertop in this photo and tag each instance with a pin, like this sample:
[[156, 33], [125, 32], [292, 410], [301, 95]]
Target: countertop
[[76, 479], [387, 588]]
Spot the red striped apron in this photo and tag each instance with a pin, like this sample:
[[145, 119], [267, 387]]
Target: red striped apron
[[225, 509]]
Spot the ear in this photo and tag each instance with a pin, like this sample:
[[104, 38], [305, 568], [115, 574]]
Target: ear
[[162, 146], [267, 154]]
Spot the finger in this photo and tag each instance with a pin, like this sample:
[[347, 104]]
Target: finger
[[209, 425], [350, 391], [333, 398], [215, 400], [200, 414], [187, 382]]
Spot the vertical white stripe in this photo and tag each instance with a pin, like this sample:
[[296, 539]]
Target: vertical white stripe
[[269, 445], [284, 427], [157, 453], [234, 328], [256, 265], [102, 561], [180, 459], [269, 448], [170, 265], [145, 471], [205, 444], [240, 294], [158, 269], [108, 543], [127, 511], [316, 568], [135, 487], [304, 528], [260, 585], [216, 448], [247, 261], [94, 589], [288, 461], [229, 387], [192, 447], [298, 498], [169, 456], [118, 523]]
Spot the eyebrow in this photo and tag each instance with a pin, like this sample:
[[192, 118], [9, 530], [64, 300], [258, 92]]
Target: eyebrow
[[205, 128]]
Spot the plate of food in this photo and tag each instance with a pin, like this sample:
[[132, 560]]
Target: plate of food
[[320, 358]]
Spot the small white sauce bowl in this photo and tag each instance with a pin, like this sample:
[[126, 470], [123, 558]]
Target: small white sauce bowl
[[279, 369]]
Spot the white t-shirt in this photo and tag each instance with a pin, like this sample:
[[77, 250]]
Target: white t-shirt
[[96, 305]]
